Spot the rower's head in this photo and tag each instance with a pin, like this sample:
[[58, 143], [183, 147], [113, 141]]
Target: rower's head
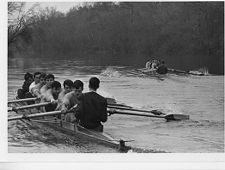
[[56, 88], [42, 78], [68, 85], [28, 77], [94, 83], [49, 79], [78, 87], [37, 77]]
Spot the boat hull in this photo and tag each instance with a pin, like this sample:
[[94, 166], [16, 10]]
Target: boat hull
[[73, 129]]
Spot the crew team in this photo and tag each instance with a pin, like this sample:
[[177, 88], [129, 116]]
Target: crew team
[[88, 109]]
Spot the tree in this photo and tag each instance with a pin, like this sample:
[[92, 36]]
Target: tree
[[19, 21]]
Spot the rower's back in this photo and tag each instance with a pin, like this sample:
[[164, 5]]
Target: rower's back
[[92, 109], [162, 69]]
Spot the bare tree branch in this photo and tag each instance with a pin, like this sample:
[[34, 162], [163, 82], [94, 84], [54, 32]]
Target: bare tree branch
[[19, 19]]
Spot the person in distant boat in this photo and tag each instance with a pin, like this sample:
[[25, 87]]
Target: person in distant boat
[[71, 99], [92, 108], [151, 67], [148, 64], [162, 69], [154, 64], [21, 93], [36, 81], [36, 90], [49, 79], [51, 95], [67, 87]]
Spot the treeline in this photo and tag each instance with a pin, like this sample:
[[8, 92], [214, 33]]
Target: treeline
[[187, 35]]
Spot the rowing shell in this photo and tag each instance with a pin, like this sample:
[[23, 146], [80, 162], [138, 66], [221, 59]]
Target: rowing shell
[[151, 73], [75, 129]]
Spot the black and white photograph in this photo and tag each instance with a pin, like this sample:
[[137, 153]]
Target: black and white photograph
[[122, 77]]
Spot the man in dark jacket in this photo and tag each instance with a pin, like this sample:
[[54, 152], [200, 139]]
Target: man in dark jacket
[[21, 93], [92, 108], [162, 69]]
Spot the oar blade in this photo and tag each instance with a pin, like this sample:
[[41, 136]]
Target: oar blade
[[157, 112], [171, 117]]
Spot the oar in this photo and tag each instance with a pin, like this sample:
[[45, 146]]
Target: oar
[[22, 100], [28, 106], [168, 117], [35, 115], [155, 112], [135, 73], [118, 105], [28, 116], [185, 72]]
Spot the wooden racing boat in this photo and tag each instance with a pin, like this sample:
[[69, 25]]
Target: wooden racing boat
[[73, 129]]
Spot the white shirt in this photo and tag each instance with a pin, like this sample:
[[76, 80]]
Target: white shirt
[[148, 64], [32, 85]]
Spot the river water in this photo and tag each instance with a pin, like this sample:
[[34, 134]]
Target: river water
[[201, 97]]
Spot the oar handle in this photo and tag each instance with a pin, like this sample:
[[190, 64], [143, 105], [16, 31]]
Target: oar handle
[[22, 100], [35, 115], [28, 106]]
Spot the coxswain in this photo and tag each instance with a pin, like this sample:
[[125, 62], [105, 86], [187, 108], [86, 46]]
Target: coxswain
[[92, 107]]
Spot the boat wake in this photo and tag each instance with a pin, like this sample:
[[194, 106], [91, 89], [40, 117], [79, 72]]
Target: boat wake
[[110, 72], [201, 71]]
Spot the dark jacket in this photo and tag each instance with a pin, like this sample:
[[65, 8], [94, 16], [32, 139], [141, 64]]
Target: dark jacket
[[162, 69], [91, 110], [25, 86]]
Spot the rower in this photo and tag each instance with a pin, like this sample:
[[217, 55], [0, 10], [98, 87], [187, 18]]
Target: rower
[[48, 79], [35, 91], [28, 77], [92, 108], [67, 87], [71, 99], [155, 64], [51, 95], [36, 80], [148, 64]]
